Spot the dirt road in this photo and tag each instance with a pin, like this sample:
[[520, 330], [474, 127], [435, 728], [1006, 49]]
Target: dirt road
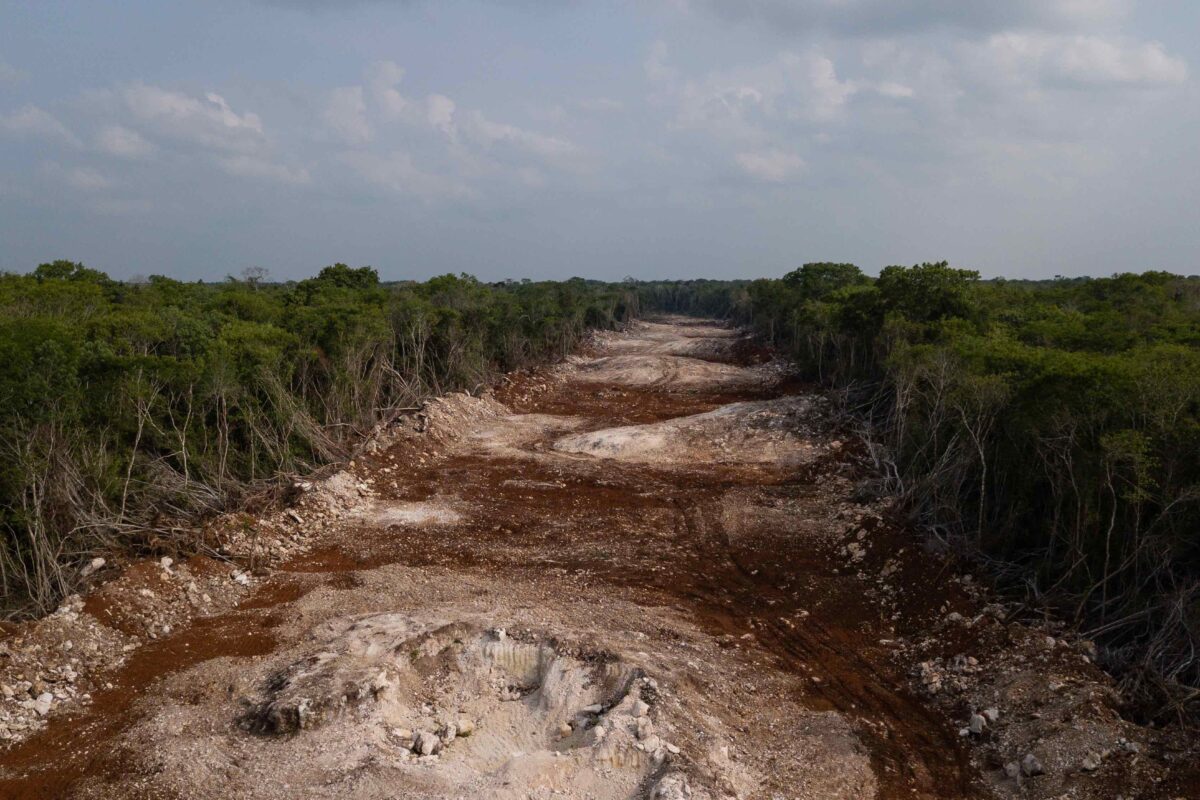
[[640, 574]]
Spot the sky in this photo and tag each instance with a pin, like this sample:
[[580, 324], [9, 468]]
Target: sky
[[646, 138]]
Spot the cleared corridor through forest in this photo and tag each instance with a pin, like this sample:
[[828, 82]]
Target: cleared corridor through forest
[[643, 573]]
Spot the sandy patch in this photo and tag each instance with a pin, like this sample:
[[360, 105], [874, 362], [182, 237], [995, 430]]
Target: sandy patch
[[411, 514]]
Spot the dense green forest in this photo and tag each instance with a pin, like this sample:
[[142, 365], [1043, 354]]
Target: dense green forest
[[1050, 429], [129, 408]]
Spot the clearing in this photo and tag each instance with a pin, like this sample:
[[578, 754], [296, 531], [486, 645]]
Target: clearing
[[654, 571]]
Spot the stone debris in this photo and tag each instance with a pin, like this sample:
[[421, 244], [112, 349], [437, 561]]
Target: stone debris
[[402, 678], [426, 743], [149, 599], [42, 704]]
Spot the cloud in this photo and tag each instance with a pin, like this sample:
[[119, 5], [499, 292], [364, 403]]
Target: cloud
[[740, 103], [1081, 60], [488, 133], [657, 65], [896, 91], [475, 128], [35, 122], [254, 167], [116, 140], [440, 114], [398, 172], [772, 166], [235, 142], [346, 115], [388, 132], [207, 121], [382, 79], [82, 178]]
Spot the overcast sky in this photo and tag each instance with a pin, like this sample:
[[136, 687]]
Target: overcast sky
[[654, 138]]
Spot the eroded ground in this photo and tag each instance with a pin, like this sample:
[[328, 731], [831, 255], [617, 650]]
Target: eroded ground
[[649, 572]]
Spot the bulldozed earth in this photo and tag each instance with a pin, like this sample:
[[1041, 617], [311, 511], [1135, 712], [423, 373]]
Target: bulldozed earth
[[656, 570]]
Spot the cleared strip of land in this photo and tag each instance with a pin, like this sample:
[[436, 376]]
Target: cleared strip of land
[[648, 572]]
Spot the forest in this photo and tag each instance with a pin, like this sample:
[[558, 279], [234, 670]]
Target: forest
[[1048, 429], [128, 410]]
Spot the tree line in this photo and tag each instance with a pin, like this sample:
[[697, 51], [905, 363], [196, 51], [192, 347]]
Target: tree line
[[130, 409], [1050, 429]]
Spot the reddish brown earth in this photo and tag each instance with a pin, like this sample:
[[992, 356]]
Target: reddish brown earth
[[727, 579]]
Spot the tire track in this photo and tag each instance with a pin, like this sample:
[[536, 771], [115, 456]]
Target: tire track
[[909, 744]]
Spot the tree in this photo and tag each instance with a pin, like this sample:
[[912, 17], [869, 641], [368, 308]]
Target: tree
[[62, 270], [927, 292], [255, 275], [818, 280]]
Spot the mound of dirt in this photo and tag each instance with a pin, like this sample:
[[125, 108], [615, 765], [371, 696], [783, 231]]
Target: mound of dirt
[[387, 706], [671, 373], [650, 338], [446, 419], [765, 432]]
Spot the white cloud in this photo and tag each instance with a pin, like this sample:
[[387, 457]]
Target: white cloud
[[440, 114], [122, 142], [208, 121], [398, 172], [466, 143], [82, 178], [823, 93], [896, 91], [1082, 60], [489, 133], [254, 167], [382, 79], [739, 103], [346, 115], [35, 122], [773, 166]]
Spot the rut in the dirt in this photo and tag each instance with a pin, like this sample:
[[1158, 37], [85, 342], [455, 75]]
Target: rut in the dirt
[[619, 579]]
